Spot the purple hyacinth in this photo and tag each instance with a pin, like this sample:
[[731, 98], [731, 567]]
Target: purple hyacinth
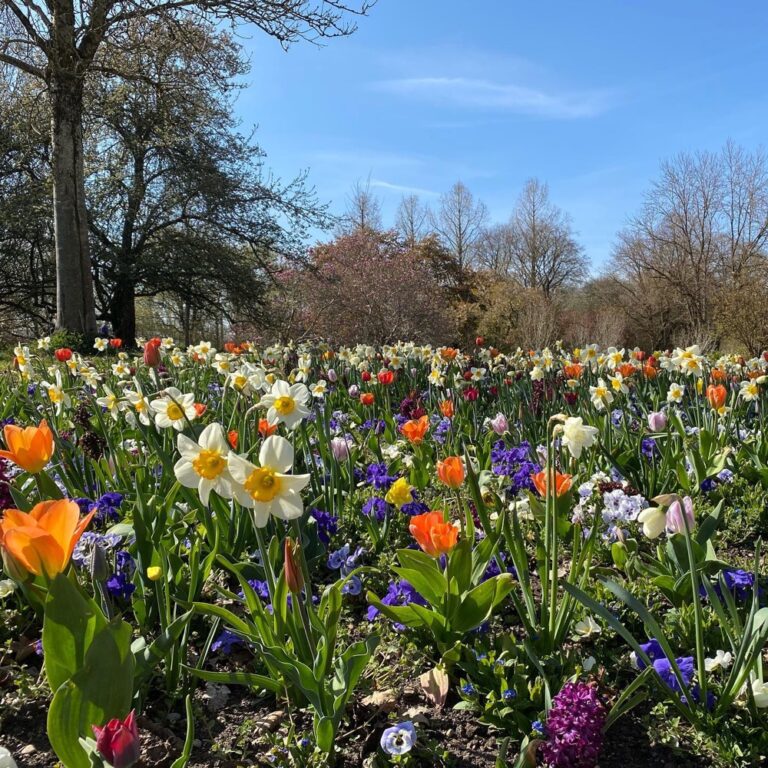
[[574, 728]]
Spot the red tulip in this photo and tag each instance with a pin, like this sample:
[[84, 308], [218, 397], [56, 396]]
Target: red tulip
[[118, 741], [365, 376], [479, 341], [115, 343], [63, 354], [152, 353], [385, 377]]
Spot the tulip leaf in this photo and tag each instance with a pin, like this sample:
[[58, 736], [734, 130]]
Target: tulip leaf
[[86, 699], [478, 604], [70, 625], [236, 678]]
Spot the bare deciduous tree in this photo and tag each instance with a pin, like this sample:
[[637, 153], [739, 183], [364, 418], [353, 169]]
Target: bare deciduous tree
[[411, 219], [546, 255], [702, 234], [363, 210], [459, 222]]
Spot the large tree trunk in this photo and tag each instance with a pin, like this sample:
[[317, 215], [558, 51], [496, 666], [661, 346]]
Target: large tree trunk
[[74, 285], [122, 310]]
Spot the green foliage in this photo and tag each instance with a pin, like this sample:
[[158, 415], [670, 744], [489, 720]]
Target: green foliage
[[89, 666]]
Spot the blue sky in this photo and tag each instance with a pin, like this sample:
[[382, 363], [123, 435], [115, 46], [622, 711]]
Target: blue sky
[[587, 95]]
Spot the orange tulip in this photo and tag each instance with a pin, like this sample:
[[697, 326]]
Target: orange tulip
[[447, 409], [573, 370], [233, 438], [433, 534], [30, 448], [716, 395], [717, 374], [451, 471], [448, 353], [42, 541], [266, 429], [367, 398], [415, 429], [562, 483], [626, 370], [650, 371]]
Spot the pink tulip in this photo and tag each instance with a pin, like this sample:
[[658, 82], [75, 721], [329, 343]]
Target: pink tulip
[[499, 424], [657, 421], [340, 448], [354, 391], [118, 741], [678, 515]]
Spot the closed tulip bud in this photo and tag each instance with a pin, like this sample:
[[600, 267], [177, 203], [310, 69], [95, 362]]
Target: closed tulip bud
[[680, 516], [354, 390], [479, 341], [365, 376], [118, 741], [657, 421], [294, 578], [499, 424], [340, 448], [152, 353], [332, 376], [154, 573]]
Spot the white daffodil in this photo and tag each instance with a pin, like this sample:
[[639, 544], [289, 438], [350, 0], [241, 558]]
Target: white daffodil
[[101, 344], [7, 587], [749, 390], [139, 404], [286, 403], [722, 660], [675, 393], [601, 395], [318, 390], [174, 409], [577, 436], [44, 343], [121, 369], [618, 383], [654, 522], [760, 693], [222, 363], [111, 403], [267, 489], [56, 394], [203, 464], [585, 629]]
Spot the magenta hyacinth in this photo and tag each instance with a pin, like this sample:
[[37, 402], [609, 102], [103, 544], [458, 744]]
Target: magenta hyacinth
[[574, 728]]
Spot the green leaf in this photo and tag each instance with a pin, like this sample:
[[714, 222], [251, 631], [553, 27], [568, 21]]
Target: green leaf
[[70, 625], [478, 604], [189, 740], [100, 690], [430, 585], [257, 682]]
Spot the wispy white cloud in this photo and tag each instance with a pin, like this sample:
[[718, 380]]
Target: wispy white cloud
[[402, 188], [479, 93]]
